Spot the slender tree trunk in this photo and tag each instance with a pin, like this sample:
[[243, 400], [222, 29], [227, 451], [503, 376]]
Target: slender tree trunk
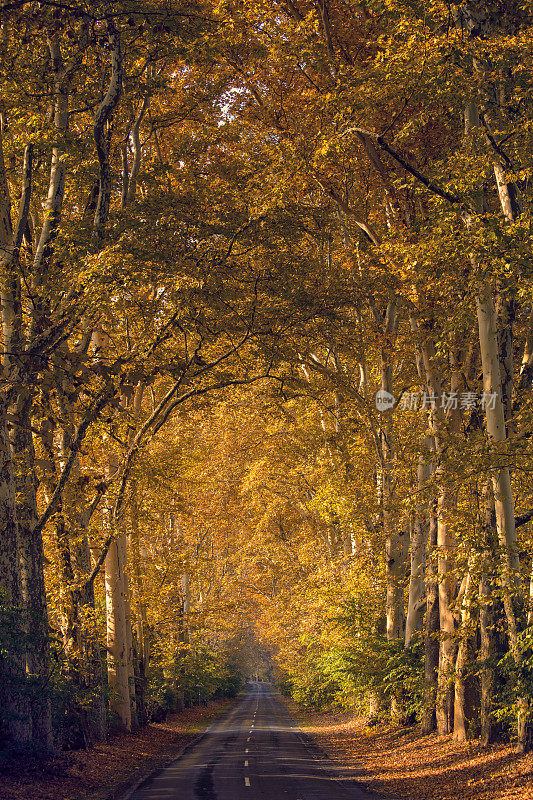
[[497, 360], [374, 705], [89, 656], [30, 542], [395, 535], [141, 616], [501, 481], [14, 709], [432, 628], [447, 587], [395, 548], [530, 606], [395, 538], [77, 605], [101, 117], [137, 149], [419, 537], [91, 673], [31, 569], [183, 603], [117, 638], [446, 547], [125, 176], [129, 634], [486, 615], [496, 430], [463, 706], [117, 641], [486, 622], [19, 468]]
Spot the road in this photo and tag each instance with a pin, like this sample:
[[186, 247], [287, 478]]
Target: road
[[253, 753]]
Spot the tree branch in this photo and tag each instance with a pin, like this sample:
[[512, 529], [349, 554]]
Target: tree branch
[[90, 416], [451, 198], [523, 518], [103, 113]]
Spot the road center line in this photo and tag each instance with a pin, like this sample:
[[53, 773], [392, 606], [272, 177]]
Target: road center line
[[246, 763], [247, 781]]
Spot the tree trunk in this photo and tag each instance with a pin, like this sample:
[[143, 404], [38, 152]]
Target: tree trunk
[[374, 705], [141, 617], [137, 150], [183, 633], [395, 549], [118, 673], [31, 569], [72, 518], [129, 634], [463, 706], [496, 430], [419, 537], [486, 622], [101, 117], [501, 481], [486, 617], [432, 628], [530, 606], [14, 708], [446, 547], [395, 567], [90, 661], [117, 641], [90, 672], [447, 585], [497, 361], [29, 577]]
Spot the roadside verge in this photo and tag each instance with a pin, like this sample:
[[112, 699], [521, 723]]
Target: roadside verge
[[404, 764]]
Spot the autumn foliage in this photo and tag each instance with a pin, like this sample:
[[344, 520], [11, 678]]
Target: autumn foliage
[[227, 229]]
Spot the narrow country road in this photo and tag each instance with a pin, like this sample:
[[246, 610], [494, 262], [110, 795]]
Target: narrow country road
[[254, 752]]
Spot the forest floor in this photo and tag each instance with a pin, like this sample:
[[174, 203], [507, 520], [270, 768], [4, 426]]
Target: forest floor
[[105, 771], [402, 763]]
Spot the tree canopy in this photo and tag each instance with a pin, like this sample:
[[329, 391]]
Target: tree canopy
[[267, 357]]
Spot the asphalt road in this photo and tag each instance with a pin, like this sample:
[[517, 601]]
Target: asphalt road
[[254, 753]]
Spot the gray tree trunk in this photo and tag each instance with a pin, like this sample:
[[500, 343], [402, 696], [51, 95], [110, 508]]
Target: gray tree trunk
[[14, 708], [431, 628], [420, 529]]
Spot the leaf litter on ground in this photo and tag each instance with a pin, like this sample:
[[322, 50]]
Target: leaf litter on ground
[[404, 764], [106, 770]]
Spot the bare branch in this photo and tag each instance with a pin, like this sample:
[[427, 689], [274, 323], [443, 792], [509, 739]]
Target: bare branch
[[452, 198], [523, 518], [103, 113], [91, 415]]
